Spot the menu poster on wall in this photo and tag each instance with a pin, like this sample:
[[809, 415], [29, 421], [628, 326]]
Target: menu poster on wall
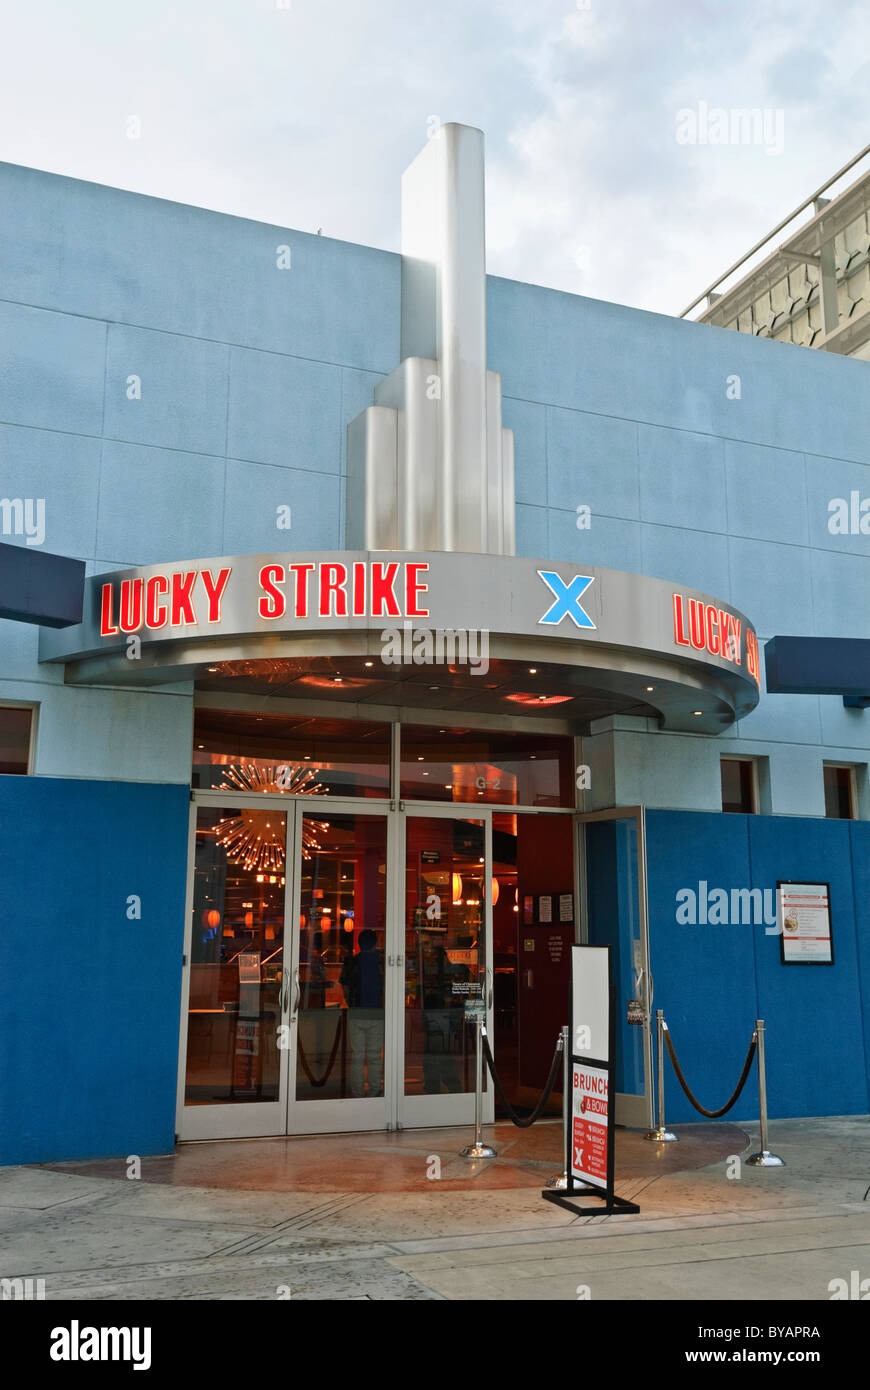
[[545, 908], [566, 907], [805, 923]]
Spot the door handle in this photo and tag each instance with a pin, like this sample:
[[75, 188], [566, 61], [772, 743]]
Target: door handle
[[285, 976], [489, 989], [295, 1005]]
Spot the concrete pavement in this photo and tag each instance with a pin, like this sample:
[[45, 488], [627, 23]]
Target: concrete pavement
[[230, 1222]]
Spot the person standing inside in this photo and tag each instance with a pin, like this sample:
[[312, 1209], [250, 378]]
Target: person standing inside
[[362, 980]]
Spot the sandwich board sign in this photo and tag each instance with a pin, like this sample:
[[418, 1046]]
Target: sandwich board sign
[[590, 1113]]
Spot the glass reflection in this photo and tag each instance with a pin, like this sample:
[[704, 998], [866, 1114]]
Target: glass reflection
[[236, 957], [445, 961], [342, 934]]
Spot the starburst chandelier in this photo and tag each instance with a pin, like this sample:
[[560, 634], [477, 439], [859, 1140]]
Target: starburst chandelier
[[249, 840]]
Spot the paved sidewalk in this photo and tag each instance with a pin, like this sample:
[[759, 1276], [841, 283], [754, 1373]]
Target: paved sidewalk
[[243, 1221]]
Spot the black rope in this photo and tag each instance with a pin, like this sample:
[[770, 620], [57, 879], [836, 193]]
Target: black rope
[[331, 1063], [523, 1123], [712, 1114]]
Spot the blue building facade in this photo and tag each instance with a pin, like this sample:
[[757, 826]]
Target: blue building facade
[[166, 386]]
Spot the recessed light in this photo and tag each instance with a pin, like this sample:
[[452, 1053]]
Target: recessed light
[[420, 758], [434, 687], [370, 663], [533, 670], [650, 689], [200, 745], [697, 711], [425, 774]]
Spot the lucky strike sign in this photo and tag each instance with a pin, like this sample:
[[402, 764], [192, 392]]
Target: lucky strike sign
[[707, 628], [322, 589]]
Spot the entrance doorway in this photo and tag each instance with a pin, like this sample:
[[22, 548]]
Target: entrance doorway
[[325, 990]]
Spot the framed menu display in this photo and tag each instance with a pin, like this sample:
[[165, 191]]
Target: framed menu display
[[804, 911]]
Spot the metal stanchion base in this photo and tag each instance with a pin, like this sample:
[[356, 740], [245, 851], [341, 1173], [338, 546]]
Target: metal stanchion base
[[478, 1151], [765, 1159], [662, 1136], [558, 1184]]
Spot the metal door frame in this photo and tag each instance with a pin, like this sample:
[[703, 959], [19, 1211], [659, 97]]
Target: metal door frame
[[437, 1111], [635, 1112]]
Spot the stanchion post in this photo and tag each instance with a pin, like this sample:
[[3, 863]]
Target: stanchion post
[[560, 1184], [661, 1135], [478, 1149], [763, 1159]]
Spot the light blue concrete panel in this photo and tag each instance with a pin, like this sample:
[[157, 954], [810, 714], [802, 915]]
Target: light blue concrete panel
[[63, 470], [592, 459], [529, 424], [609, 542], [256, 491], [783, 719], [285, 411], [841, 594], [667, 770], [830, 480], [183, 384], [682, 479], [18, 652], [532, 532], [120, 256], [159, 504], [52, 368], [842, 727], [118, 735], [590, 355], [695, 559], [765, 493], [796, 781], [771, 584]]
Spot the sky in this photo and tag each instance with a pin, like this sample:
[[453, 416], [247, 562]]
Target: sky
[[614, 166]]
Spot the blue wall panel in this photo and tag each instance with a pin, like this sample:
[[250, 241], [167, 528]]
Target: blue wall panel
[[704, 975], [714, 981], [89, 999]]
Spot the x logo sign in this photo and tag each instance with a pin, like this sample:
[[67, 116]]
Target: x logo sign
[[567, 599]]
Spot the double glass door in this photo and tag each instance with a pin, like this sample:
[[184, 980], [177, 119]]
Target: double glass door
[[334, 961]]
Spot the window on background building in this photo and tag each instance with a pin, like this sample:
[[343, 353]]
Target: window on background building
[[839, 791], [483, 765], [738, 785], [16, 725], [236, 750]]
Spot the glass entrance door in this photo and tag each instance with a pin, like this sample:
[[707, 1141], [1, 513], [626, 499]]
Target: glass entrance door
[[233, 1073], [288, 1005], [342, 1007], [447, 921]]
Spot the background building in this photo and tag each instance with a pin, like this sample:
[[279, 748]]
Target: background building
[[813, 289]]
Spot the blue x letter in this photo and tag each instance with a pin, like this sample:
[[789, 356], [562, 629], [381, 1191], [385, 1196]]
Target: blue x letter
[[567, 599]]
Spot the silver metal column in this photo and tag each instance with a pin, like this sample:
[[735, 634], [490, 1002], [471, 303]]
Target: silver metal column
[[478, 1149], [661, 1135], [764, 1159], [560, 1184]]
